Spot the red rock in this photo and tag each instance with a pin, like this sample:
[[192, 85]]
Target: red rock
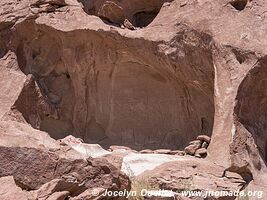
[[58, 196], [90, 194], [10, 191], [204, 138], [196, 142], [191, 149], [49, 166], [115, 147], [193, 69], [148, 151], [202, 152], [177, 152], [193, 146], [163, 151], [112, 12], [205, 145], [191, 175]]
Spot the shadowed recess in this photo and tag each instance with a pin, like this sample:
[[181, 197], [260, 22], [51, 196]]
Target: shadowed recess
[[138, 98], [139, 13], [252, 104]]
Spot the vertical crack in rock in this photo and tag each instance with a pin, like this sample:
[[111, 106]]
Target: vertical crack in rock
[[118, 91]]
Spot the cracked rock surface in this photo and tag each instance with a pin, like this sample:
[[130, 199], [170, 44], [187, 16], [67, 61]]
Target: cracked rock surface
[[148, 75]]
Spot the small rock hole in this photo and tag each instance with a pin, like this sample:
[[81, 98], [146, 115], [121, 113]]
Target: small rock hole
[[239, 4], [241, 58], [68, 76], [143, 19]]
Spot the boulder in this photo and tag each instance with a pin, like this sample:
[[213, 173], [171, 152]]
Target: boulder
[[112, 12], [202, 152], [9, 189], [196, 142], [191, 175], [204, 138], [32, 168], [56, 187]]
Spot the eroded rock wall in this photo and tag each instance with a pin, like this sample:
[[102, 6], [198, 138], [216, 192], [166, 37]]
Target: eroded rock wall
[[112, 90], [138, 13], [250, 112], [184, 74]]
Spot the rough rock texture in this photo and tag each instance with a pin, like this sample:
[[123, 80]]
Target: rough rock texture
[[126, 98], [198, 147], [137, 12], [191, 175], [32, 168], [193, 67], [9, 189]]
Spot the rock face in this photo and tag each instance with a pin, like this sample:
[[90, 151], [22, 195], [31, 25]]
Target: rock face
[[151, 75], [191, 175], [9, 189], [139, 13], [86, 83], [32, 168], [45, 174]]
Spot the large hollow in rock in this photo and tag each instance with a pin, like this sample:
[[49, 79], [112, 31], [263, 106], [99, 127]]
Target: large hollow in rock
[[95, 89]]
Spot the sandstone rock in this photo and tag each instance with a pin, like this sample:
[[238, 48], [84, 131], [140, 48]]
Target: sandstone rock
[[115, 147], [177, 152], [196, 142], [138, 12], [197, 67], [202, 152], [58, 196], [54, 188], [135, 163], [9, 190], [204, 138], [191, 175], [86, 150], [147, 151], [66, 115], [191, 149], [112, 12], [90, 194], [48, 166], [205, 145], [163, 151], [115, 159], [128, 24], [52, 2], [70, 140]]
